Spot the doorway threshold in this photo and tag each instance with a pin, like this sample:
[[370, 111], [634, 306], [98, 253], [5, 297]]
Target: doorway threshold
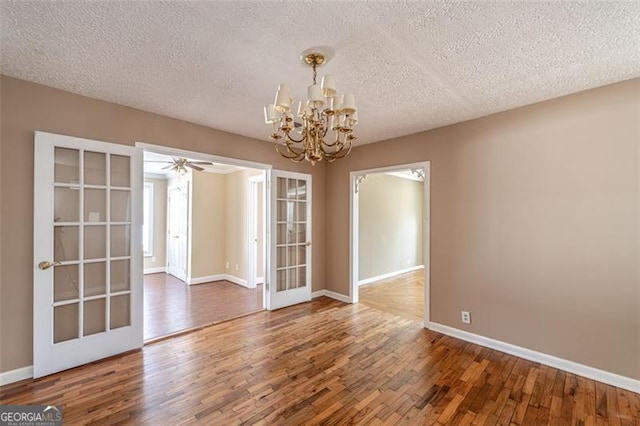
[[153, 340]]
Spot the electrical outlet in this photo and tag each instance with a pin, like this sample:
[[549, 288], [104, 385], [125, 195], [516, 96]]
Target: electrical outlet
[[227, 265], [466, 317]]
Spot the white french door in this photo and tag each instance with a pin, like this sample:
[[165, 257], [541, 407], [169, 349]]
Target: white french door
[[177, 234], [87, 251], [290, 240]]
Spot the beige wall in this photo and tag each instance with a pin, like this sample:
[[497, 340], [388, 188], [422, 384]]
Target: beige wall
[[236, 241], [219, 214], [534, 224], [159, 225], [390, 225], [27, 107], [534, 214], [208, 199]]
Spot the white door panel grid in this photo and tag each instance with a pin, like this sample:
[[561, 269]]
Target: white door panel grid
[[290, 239], [87, 251]]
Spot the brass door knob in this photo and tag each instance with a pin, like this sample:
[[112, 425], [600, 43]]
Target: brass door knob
[[308, 243], [45, 264]]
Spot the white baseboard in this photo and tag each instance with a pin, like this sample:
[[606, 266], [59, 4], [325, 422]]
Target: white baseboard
[[154, 270], [612, 379], [260, 280], [236, 280], [331, 294], [206, 279], [217, 277], [16, 375], [389, 275]]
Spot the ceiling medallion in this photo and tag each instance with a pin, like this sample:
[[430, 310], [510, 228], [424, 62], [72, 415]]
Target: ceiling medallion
[[324, 110]]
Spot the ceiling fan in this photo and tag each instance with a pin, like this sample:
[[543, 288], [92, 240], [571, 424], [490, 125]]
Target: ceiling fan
[[180, 165]]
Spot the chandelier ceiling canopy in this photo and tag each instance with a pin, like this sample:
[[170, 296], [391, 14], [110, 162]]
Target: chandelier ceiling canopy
[[324, 114]]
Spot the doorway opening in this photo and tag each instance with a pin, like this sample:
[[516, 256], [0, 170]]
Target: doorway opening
[[204, 239], [389, 256]]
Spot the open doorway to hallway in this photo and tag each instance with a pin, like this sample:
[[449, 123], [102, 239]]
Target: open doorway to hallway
[[203, 242], [389, 241]]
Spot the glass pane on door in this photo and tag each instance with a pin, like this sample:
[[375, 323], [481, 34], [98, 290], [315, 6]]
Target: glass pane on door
[[66, 203], [120, 311], [65, 283], [93, 249], [95, 279], [66, 243], [94, 316], [120, 171], [65, 322], [95, 205], [291, 235], [95, 168], [66, 165]]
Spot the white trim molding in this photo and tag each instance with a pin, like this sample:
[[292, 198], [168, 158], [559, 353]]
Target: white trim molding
[[217, 277], [612, 379], [332, 295], [158, 270], [236, 280], [16, 375], [389, 275]]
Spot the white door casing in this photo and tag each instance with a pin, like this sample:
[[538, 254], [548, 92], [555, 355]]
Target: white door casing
[[87, 251], [255, 238], [290, 239], [357, 178], [177, 230]]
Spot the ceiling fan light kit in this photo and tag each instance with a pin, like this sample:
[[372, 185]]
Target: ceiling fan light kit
[[181, 166], [324, 110]]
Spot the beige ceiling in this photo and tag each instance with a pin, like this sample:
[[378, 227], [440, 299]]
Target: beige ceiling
[[412, 65]]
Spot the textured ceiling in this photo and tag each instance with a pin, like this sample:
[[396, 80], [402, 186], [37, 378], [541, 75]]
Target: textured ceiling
[[412, 66]]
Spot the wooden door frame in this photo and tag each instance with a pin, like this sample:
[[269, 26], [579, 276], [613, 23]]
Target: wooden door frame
[[355, 179]]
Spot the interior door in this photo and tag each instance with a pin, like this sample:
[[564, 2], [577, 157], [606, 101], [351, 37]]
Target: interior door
[[177, 211], [87, 251], [290, 251]]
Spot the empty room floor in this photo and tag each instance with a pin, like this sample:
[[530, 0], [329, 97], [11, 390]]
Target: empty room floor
[[171, 306], [402, 295], [323, 362]]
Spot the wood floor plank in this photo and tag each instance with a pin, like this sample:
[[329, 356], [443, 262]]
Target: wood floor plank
[[171, 305], [325, 363]]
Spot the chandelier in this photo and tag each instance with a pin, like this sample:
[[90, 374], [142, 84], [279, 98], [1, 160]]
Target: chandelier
[[322, 112]]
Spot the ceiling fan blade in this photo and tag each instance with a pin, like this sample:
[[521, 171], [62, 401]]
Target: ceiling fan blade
[[170, 166], [201, 163], [194, 167], [156, 161]]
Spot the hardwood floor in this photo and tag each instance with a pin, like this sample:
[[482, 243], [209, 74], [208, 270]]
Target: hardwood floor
[[323, 362], [170, 305], [402, 295]]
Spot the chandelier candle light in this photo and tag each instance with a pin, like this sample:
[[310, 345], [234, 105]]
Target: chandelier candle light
[[323, 110]]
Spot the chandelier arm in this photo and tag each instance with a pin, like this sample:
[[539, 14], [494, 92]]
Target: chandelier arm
[[290, 155], [289, 138], [343, 152], [289, 145], [334, 143]]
